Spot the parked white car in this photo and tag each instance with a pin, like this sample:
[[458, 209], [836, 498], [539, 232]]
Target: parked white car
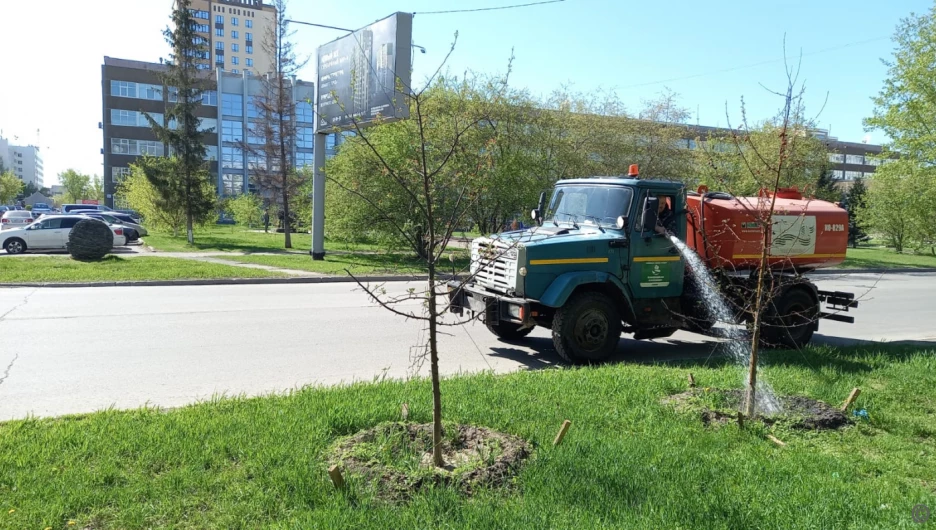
[[49, 233], [15, 219]]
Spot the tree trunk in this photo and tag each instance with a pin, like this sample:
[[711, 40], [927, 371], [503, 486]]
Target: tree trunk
[[750, 400], [434, 365], [189, 232], [286, 216]]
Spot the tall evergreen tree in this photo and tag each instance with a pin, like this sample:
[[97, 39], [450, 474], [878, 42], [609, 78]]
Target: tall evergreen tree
[[189, 184], [854, 203]]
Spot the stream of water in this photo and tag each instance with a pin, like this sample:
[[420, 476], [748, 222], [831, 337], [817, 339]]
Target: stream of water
[[737, 341]]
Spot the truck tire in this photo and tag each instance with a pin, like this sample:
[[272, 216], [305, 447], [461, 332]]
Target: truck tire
[[790, 320], [586, 328], [508, 330]]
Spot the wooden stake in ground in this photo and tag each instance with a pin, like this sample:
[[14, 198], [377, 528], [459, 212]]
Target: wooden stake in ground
[[562, 432], [851, 398], [691, 381], [773, 439], [404, 411], [740, 420], [334, 473]]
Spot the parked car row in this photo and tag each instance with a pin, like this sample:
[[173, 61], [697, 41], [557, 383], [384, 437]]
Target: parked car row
[[52, 230]]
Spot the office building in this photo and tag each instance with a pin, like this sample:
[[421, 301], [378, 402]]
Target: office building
[[130, 88], [24, 161], [233, 33]]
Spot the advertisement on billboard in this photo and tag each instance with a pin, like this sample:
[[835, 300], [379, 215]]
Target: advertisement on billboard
[[360, 75]]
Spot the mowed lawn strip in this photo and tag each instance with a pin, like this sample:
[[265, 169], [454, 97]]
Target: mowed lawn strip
[[114, 268], [340, 264], [883, 258], [628, 461]]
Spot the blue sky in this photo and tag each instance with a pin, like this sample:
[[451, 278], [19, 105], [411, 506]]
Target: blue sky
[[704, 51]]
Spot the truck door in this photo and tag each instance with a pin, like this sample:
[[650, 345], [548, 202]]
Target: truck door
[[656, 266]]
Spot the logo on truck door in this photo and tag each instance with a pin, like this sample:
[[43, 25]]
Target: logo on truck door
[[655, 274]]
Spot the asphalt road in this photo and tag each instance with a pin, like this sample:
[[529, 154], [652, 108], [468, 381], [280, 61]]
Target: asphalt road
[[73, 350]]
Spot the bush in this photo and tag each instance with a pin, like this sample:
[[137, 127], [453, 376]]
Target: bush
[[90, 240], [245, 209]]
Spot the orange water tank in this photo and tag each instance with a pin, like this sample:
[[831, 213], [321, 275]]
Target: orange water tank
[[804, 234]]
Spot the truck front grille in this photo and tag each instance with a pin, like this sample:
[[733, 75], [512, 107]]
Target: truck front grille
[[494, 265]]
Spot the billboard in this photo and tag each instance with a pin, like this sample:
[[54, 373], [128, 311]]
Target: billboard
[[357, 74]]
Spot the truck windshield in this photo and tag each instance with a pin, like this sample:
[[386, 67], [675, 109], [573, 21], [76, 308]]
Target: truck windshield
[[589, 205]]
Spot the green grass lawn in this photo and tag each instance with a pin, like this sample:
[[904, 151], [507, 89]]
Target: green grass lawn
[[334, 263], [114, 268], [235, 238], [627, 462], [884, 258]]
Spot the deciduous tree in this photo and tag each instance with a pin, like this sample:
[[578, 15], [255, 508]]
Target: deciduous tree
[[10, 187], [75, 185]]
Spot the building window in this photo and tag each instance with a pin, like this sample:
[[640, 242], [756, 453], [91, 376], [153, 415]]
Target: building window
[[199, 14], [219, 19], [249, 61], [248, 36], [201, 28], [211, 152], [210, 97], [854, 159], [232, 184], [330, 141], [232, 131], [304, 159], [304, 111], [232, 158], [234, 21], [252, 112], [836, 158], [219, 32], [235, 47], [234, 34], [219, 60], [219, 46], [123, 146], [304, 137], [132, 118], [838, 174], [235, 60], [119, 173], [871, 161], [123, 89], [249, 48], [248, 23], [232, 104], [852, 175]]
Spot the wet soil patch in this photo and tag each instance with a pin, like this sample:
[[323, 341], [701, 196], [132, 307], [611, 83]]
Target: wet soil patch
[[717, 406], [396, 458]]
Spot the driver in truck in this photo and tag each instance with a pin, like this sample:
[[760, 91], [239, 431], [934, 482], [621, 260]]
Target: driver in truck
[[665, 217]]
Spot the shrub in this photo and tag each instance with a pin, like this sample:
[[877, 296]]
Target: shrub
[[90, 240]]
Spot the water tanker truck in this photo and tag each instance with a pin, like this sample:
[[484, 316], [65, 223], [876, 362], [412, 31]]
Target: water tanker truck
[[602, 260]]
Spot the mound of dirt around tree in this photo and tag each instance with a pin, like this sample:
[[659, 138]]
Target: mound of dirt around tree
[[396, 458], [798, 411]]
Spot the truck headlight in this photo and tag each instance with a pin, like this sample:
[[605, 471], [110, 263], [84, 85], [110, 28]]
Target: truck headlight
[[515, 311], [522, 271]]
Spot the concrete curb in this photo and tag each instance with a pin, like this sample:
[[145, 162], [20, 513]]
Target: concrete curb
[[872, 271], [229, 281]]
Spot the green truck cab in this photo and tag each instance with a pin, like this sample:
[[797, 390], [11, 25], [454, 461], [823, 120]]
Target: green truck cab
[[598, 265]]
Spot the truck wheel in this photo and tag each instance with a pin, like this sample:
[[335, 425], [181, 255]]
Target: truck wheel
[[508, 330], [586, 328], [790, 320]]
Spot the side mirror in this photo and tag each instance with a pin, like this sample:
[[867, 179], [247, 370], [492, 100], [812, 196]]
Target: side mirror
[[648, 220], [537, 214]]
